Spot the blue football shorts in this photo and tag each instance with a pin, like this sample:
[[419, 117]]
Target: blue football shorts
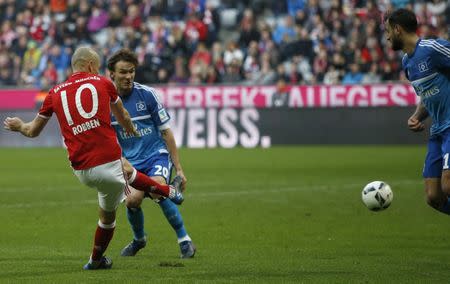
[[437, 158], [158, 165]]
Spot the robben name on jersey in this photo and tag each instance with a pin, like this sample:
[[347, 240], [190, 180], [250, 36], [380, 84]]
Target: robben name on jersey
[[428, 69], [149, 118]]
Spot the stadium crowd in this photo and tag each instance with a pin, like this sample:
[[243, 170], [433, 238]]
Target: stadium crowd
[[211, 41]]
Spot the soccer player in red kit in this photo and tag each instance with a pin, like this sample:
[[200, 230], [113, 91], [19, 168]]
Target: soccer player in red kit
[[83, 106]]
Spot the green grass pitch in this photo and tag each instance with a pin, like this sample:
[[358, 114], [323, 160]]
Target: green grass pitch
[[279, 215]]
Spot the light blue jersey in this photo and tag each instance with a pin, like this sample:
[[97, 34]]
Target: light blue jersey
[[149, 117], [428, 69]]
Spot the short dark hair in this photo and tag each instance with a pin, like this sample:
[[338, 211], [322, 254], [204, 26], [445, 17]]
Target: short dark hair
[[123, 54], [402, 17]]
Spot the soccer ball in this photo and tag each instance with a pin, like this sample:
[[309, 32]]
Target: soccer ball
[[377, 195]]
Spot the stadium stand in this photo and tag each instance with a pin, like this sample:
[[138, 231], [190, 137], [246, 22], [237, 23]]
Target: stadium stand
[[210, 41]]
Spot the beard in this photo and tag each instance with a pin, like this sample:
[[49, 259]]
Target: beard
[[397, 44]]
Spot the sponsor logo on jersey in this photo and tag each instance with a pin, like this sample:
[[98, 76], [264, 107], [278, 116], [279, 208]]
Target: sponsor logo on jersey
[[142, 132], [140, 106], [423, 66], [429, 92], [163, 116]]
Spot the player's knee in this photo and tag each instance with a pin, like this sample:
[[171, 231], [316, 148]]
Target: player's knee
[[159, 179], [107, 217], [133, 202]]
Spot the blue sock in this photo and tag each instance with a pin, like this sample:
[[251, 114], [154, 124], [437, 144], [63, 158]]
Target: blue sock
[[136, 219], [173, 215]]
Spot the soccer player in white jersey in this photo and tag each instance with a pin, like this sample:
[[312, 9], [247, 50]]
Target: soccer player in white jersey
[[426, 64], [153, 153]]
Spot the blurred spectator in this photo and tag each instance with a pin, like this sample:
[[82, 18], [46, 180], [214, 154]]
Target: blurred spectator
[[175, 10], [435, 9], [132, 18], [194, 32], [321, 64], [79, 32], [115, 15], [267, 74], [212, 76], [50, 73], [400, 3], [373, 76], [281, 95], [8, 35], [45, 57], [6, 77], [302, 66], [9, 14], [387, 74], [98, 19], [248, 30], [200, 61], [30, 63], [212, 21], [353, 76], [233, 54], [251, 64], [176, 41], [217, 58], [332, 76], [58, 6], [60, 57], [293, 6], [294, 77], [232, 72], [195, 6], [282, 73], [163, 76], [180, 75], [285, 32], [251, 41]]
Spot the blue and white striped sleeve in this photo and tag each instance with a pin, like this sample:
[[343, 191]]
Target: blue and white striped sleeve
[[159, 115], [440, 52]]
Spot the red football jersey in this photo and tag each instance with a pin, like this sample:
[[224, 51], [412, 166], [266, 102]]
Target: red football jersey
[[82, 106]]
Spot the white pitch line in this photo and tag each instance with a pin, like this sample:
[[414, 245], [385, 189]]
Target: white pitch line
[[188, 194], [47, 204]]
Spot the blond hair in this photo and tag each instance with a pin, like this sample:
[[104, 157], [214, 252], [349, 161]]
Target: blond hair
[[82, 56]]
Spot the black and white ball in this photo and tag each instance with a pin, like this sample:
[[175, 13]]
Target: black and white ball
[[377, 195]]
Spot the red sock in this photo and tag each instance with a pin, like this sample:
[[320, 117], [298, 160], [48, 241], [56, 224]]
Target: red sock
[[145, 183], [103, 235]]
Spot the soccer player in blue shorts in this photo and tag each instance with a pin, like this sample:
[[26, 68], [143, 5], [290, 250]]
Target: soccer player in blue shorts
[[426, 64], [153, 153]]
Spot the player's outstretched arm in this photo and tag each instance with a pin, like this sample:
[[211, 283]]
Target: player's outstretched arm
[[123, 117], [168, 137], [29, 129]]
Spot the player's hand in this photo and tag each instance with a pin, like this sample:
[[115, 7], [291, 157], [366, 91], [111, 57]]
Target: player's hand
[[183, 178], [136, 133], [133, 131], [415, 125], [12, 123]]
